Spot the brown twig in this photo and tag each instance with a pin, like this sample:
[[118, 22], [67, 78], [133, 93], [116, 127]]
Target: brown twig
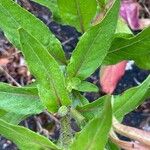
[[10, 77], [51, 116]]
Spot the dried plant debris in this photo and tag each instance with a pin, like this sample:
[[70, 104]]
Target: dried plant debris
[[145, 8]]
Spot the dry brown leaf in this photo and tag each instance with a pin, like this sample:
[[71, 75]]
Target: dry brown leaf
[[127, 145], [133, 133]]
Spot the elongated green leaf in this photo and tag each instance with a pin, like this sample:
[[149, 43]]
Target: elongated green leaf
[[86, 87], [77, 13], [134, 48], [13, 118], [82, 86], [95, 134], [53, 7], [24, 138], [52, 90], [93, 45], [122, 27], [147, 93], [131, 99], [12, 17], [93, 109], [123, 104], [78, 99], [20, 101]]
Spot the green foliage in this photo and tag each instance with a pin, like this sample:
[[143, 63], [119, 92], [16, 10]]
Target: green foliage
[[95, 133], [87, 87], [92, 109], [83, 86], [122, 104], [123, 48], [24, 138], [17, 18], [43, 66], [78, 99], [60, 81], [23, 101], [77, 13], [131, 99], [93, 46], [11, 117], [122, 27]]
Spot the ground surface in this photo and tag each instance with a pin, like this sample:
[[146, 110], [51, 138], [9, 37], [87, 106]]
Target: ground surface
[[15, 72]]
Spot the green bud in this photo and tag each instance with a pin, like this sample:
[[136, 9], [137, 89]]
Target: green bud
[[63, 110]]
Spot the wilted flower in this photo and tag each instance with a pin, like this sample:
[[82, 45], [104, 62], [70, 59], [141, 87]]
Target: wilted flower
[[130, 13]]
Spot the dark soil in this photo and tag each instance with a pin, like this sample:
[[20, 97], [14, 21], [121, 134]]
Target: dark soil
[[68, 36]]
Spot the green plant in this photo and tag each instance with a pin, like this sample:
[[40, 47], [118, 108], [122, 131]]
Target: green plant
[[59, 81]]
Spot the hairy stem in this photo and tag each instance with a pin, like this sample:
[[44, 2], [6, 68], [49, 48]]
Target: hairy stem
[[66, 134]]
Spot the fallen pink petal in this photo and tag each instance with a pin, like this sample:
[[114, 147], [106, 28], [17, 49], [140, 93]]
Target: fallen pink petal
[[110, 75]]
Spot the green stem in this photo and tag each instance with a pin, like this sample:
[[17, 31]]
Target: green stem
[[78, 117], [66, 134]]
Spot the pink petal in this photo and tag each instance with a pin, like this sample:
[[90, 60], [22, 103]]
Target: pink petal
[[130, 13], [110, 75]]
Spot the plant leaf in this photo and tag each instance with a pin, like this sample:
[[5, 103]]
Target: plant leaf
[[77, 13], [52, 6], [95, 134], [42, 65], [20, 101], [78, 99], [122, 27], [93, 109], [24, 138], [85, 86], [126, 49], [82, 86], [14, 17], [131, 99], [122, 104], [93, 45], [13, 118]]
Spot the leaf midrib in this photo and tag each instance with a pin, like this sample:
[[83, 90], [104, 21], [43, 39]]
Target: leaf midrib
[[79, 15], [48, 74]]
